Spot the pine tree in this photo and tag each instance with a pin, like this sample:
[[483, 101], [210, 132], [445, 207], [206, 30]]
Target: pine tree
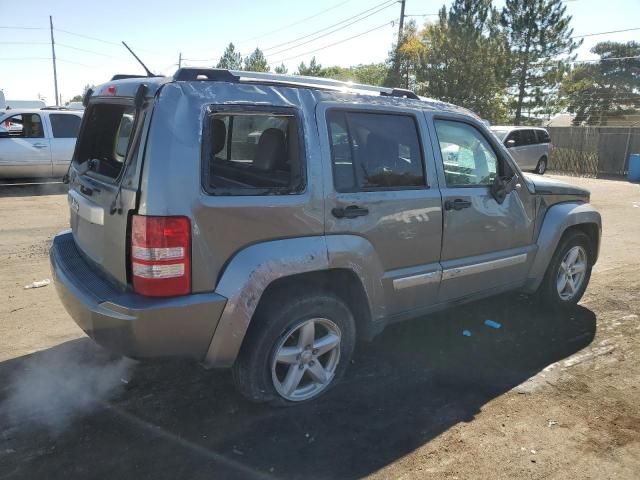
[[281, 69], [256, 62], [230, 59], [598, 92], [313, 70], [465, 59], [538, 33]]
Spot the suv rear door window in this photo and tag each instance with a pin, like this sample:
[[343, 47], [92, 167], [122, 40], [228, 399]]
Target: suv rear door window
[[372, 151], [64, 126], [468, 158], [106, 138], [252, 153]]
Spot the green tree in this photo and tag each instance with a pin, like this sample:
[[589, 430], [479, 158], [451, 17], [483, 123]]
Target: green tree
[[313, 70], [230, 59], [79, 98], [538, 32], [465, 59], [404, 58], [256, 62], [370, 74], [598, 92], [281, 69]]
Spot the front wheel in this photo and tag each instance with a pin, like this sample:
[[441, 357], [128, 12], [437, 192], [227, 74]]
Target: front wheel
[[296, 350], [541, 168], [568, 272]]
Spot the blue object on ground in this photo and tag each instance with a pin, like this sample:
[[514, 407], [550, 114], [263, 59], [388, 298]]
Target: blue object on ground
[[466, 333], [492, 324], [634, 167]]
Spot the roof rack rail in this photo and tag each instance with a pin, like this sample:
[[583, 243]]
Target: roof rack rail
[[124, 76], [401, 92], [211, 74], [55, 108], [235, 76]]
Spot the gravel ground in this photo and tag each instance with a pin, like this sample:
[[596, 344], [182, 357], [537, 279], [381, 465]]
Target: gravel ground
[[545, 396]]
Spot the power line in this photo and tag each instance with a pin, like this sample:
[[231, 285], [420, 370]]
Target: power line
[[336, 43], [299, 21], [22, 28], [606, 33], [88, 51], [24, 43], [385, 4]]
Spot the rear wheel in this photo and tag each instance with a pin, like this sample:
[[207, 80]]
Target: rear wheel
[[296, 350], [541, 168], [569, 272]]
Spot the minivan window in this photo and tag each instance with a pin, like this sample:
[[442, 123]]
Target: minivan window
[[64, 126], [372, 151], [469, 160], [28, 125], [500, 134], [529, 137], [252, 153], [104, 140], [543, 136]]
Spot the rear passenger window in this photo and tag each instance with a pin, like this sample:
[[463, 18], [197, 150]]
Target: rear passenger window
[[371, 151], [469, 160], [529, 137], [253, 153], [64, 126], [543, 136]]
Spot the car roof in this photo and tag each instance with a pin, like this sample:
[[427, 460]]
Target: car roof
[[515, 127], [127, 85]]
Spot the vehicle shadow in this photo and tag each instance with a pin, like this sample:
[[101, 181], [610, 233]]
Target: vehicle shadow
[[413, 382], [29, 188]]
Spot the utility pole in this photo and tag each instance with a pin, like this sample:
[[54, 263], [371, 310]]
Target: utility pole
[[180, 60], [401, 21], [53, 54]]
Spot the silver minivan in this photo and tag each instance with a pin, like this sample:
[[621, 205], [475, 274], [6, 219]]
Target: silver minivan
[[266, 222], [530, 147]]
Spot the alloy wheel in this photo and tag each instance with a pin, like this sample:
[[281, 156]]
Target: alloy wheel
[[305, 360], [571, 273]]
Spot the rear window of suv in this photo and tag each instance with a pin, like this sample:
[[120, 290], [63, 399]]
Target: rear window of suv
[[252, 151], [106, 138]]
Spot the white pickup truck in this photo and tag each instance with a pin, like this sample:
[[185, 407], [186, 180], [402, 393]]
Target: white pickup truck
[[37, 142]]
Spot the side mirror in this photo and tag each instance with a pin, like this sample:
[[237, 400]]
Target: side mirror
[[502, 186], [510, 143]]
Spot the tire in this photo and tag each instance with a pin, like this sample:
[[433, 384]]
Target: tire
[[541, 167], [278, 326], [550, 290]]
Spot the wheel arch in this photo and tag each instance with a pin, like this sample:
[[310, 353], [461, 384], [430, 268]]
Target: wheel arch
[[558, 221], [259, 270]]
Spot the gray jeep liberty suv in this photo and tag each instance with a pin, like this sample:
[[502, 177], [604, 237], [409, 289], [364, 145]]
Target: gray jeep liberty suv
[[265, 222]]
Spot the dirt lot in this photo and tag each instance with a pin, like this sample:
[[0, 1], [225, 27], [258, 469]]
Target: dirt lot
[[545, 396]]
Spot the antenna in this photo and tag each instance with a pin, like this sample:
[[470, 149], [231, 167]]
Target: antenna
[[149, 74]]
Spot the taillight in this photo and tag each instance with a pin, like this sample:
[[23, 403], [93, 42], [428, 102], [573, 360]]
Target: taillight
[[161, 255]]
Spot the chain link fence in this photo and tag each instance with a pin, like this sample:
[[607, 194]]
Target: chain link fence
[[593, 151]]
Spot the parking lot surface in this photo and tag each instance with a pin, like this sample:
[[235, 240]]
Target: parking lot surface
[[547, 395]]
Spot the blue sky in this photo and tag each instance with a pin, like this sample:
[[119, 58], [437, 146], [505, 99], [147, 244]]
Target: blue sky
[[158, 31]]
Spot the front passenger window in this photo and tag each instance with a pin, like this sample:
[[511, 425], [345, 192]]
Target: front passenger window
[[468, 158]]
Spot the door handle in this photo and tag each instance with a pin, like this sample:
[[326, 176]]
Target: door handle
[[352, 211], [457, 204], [39, 145]]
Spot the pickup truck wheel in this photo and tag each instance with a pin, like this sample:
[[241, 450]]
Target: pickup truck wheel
[[296, 350], [541, 168], [569, 272]]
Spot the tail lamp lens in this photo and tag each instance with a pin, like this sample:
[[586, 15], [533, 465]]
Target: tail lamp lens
[[161, 255]]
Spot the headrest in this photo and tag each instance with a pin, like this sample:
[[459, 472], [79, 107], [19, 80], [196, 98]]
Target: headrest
[[271, 151], [219, 134]]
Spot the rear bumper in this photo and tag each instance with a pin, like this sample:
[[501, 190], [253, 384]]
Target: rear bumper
[[127, 323]]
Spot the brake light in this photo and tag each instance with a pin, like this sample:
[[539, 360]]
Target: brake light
[[161, 255]]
